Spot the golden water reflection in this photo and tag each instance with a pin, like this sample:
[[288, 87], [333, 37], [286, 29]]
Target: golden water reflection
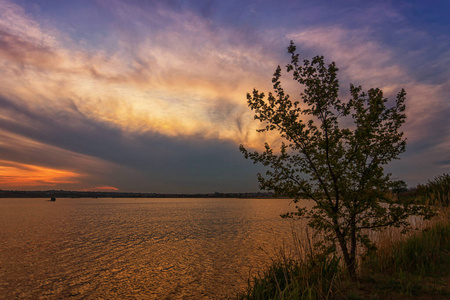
[[135, 248]]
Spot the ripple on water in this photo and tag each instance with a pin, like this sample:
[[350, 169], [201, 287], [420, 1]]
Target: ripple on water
[[134, 248]]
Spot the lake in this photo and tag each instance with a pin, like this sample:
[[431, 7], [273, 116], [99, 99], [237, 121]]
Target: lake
[[136, 248]]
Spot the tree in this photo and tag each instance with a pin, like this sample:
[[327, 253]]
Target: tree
[[339, 168], [398, 187]]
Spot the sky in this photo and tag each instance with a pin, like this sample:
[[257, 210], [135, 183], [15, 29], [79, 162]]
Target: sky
[[150, 96]]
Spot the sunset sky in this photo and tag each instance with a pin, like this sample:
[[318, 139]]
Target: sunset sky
[[149, 96]]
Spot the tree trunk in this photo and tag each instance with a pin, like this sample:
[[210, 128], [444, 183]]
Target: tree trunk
[[353, 245], [349, 255], [348, 258], [352, 266]]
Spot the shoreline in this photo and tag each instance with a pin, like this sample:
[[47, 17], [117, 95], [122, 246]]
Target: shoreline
[[92, 194]]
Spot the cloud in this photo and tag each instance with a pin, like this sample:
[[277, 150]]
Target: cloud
[[14, 174], [164, 83], [101, 189], [131, 162], [19, 23], [160, 90], [366, 61], [45, 161]]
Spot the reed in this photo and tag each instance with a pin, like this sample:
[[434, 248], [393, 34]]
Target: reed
[[436, 192], [415, 265], [296, 272], [402, 266], [419, 254]]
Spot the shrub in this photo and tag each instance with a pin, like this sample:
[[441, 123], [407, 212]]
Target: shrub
[[435, 192]]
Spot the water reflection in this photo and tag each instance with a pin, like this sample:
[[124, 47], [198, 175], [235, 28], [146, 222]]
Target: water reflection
[[134, 248]]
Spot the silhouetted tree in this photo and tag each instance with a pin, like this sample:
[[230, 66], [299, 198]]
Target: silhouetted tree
[[399, 186], [338, 167]]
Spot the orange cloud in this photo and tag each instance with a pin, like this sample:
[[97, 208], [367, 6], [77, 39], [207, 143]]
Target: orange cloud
[[153, 88], [100, 188], [13, 174]]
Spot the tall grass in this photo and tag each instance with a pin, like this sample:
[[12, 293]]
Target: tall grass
[[436, 192], [296, 272], [288, 278], [401, 266], [418, 265], [420, 254]]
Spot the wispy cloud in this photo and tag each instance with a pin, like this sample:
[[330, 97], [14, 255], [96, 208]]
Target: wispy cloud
[[14, 174], [162, 84], [28, 162], [173, 82], [364, 61]]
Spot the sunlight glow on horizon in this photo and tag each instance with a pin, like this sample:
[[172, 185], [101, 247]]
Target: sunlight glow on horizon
[[14, 174], [100, 189]]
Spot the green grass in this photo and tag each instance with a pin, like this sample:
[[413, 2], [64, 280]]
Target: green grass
[[415, 267], [420, 254], [288, 278]]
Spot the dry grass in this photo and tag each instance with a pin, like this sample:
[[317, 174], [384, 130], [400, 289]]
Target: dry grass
[[415, 265]]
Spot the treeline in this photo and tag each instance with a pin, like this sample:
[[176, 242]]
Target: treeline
[[80, 194]]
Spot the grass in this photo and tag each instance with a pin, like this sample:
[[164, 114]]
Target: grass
[[296, 272], [288, 278], [415, 267]]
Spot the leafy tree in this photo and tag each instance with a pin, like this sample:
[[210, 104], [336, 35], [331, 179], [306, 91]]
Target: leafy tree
[[398, 187], [339, 168]]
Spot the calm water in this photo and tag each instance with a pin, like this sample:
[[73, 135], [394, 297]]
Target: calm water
[[135, 248]]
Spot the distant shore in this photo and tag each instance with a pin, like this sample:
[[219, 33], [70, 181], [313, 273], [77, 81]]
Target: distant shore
[[88, 194]]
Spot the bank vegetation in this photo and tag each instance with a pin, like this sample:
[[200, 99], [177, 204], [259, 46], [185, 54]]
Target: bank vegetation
[[412, 265]]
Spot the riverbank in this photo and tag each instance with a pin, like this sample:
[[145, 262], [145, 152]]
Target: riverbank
[[97, 194], [416, 266]]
